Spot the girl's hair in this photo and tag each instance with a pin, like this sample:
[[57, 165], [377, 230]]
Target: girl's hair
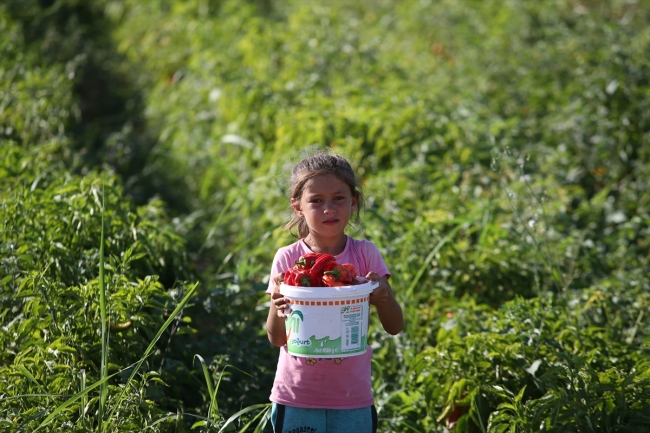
[[318, 164]]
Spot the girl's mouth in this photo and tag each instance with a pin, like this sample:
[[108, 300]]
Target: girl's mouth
[[330, 222]]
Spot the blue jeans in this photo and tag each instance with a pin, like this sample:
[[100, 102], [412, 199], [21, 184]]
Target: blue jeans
[[286, 419]]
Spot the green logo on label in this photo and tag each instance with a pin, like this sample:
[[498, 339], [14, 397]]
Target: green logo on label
[[294, 321]]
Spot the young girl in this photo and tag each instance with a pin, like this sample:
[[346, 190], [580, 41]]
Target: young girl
[[326, 395]]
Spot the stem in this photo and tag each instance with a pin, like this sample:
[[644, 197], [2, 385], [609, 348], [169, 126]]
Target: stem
[[102, 308]]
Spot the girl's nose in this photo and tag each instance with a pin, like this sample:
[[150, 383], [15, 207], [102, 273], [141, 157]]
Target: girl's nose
[[329, 207]]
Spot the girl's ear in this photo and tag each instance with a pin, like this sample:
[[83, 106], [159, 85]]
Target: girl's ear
[[354, 201], [296, 206]]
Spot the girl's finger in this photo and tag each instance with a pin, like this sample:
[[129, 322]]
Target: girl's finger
[[374, 276]]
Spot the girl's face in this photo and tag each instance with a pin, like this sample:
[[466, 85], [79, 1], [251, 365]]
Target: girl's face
[[326, 205]]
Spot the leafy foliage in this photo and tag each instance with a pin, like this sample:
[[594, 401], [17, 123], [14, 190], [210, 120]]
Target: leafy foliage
[[50, 291], [504, 151]]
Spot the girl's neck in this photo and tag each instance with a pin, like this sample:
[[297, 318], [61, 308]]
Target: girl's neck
[[327, 246]]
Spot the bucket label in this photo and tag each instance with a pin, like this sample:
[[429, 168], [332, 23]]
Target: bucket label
[[334, 327], [351, 323]]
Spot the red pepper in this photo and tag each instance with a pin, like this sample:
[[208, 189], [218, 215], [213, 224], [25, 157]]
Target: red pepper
[[314, 281], [303, 278], [452, 421], [318, 268], [351, 270], [337, 271], [331, 281], [289, 276], [321, 261], [293, 281], [306, 261], [345, 273], [297, 277]]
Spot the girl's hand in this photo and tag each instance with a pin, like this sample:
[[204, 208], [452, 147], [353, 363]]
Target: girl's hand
[[278, 301], [389, 311], [383, 292], [275, 326]]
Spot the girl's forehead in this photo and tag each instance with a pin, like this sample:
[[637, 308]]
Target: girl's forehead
[[325, 183]]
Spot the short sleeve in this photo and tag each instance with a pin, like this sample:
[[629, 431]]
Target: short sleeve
[[281, 262], [375, 261]]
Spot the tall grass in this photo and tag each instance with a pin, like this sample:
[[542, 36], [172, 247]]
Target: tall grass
[[213, 410], [111, 405], [104, 377], [103, 389]]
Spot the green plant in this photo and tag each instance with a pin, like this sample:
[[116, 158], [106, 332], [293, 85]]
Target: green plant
[[189, 112]]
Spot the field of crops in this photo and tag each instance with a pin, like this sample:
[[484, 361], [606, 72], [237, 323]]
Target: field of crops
[[504, 148]]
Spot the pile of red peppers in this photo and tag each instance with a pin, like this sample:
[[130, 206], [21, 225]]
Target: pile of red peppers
[[320, 270]]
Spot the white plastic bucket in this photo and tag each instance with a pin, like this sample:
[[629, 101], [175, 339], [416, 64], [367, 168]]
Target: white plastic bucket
[[328, 322]]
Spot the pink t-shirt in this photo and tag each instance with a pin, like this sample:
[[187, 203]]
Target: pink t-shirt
[[326, 383]]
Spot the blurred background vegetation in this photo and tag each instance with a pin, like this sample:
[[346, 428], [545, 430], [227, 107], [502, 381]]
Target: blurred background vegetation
[[505, 151]]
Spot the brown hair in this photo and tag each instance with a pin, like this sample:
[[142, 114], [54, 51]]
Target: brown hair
[[318, 164]]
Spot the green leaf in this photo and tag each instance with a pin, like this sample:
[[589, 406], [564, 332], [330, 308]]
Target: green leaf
[[29, 376], [238, 414]]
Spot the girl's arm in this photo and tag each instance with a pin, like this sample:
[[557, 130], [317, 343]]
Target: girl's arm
[[275, 325], [389, 311]]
